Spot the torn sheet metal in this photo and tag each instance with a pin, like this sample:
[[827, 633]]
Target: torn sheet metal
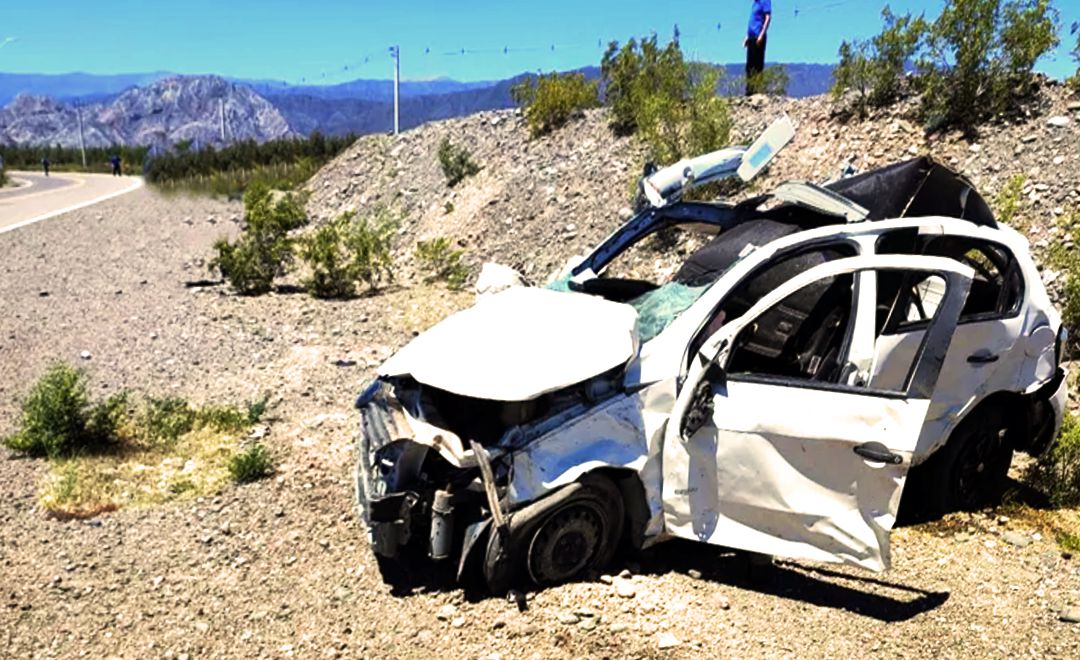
[[519, 344]]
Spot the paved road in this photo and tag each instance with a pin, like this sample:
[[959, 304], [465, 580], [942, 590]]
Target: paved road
[[40, 197]]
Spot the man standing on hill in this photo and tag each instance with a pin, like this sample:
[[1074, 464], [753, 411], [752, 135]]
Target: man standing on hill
[[760, 18]]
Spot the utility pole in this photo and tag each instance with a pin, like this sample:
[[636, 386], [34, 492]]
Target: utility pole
[[82, 139], [396, 50], [221, 109]]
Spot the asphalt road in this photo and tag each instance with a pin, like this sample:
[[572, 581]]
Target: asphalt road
[[39, 197]]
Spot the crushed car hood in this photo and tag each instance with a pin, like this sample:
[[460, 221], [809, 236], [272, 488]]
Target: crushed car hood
[[519, 344]]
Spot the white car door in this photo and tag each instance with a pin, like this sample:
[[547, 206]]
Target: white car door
[[801, 468]]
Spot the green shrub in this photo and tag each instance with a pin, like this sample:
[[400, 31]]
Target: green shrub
[[1057, 473], [264, 250], [874, 70], [165, 420], [438, 258], [252, 464], [1007, 203], [456, 162], [672, 104], [772, 81], [58, 418], [978, 58], [549, 101], [348, 250]]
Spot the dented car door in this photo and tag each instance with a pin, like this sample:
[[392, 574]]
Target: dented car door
[[775, 452]]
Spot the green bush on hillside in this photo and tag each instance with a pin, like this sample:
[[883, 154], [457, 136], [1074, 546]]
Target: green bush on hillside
[[346, 251], [672, 104], [456, 162], [549, 101], [874, 70], [264, 249], [772, 81], [442, 262], [973, 62], [58, 419], [979, 57]]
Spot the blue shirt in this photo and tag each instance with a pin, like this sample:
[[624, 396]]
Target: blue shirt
[[757, 17]]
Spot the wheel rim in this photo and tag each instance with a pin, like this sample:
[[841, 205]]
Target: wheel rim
[[978, 467], [566, 544]]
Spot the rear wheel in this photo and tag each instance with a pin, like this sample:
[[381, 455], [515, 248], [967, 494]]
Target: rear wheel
[[970, 472]]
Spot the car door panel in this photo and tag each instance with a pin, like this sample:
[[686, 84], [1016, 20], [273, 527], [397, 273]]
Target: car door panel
[[774, 467], [790, 483]]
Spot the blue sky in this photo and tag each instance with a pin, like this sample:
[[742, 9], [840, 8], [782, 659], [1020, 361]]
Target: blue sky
[[328, 41]]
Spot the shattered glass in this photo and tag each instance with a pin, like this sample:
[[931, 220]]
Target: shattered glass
[[659, 307]]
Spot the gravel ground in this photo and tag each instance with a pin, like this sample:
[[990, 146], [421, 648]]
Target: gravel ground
[[281, 568]]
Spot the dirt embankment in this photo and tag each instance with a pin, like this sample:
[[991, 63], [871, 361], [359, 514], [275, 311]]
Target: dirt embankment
[[281, 567]]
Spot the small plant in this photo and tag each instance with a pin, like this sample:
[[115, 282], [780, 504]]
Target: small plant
[[264, 250], [442, 262], [348, 250], [670, 103], [873, 71], [549, 101], [978, 58], [250, 465], [456, 162], [1007, 203], [165, 420], [772, 81], [58, 418], [1057, 473]]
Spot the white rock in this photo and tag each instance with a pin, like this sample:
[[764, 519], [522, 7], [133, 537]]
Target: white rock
[[495, 278], [666, 640], [446, 612], [1059, 121], [85, 355]]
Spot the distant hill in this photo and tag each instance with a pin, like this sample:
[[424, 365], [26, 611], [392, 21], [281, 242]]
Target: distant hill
[[368, 90], [159, 114]]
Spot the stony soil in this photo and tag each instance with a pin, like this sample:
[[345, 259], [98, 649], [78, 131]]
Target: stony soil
[[281, 567]]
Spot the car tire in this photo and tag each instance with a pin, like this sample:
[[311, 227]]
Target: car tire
[[549, 545], [969, 473]]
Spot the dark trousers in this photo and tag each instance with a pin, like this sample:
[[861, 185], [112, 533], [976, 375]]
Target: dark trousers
[[755, 64]]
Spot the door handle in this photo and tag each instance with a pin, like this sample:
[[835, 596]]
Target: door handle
[[982, 358], [878, 453]]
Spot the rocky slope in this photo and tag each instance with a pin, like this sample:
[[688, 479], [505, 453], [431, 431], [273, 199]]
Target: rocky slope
[[537, 202], [159, 114]]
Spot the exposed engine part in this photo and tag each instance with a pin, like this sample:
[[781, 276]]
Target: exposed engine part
[[442, 525]]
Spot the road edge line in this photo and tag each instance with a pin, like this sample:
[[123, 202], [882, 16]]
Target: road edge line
[[138, 183]]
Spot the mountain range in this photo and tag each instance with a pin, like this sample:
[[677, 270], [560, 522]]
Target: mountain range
[[160, 109]]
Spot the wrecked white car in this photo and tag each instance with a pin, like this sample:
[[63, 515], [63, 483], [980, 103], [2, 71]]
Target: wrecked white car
[[834, 354]]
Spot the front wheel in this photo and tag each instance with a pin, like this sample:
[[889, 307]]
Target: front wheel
[[561, 538]]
